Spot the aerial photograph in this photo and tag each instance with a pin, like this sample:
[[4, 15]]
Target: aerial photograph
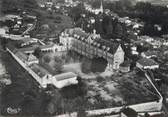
[[83, 58]]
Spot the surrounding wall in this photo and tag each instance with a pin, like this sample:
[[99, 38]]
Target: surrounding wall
[[31, 72]]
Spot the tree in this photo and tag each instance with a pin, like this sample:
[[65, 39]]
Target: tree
[[55, 105], [98, 64], [86, 65], [147, 115], [119, 30], [100, 79], [76, 12], [14, 5], [29, 100], [30, 4], [47, 59], [82, 113], [4, 43], [58, 64], [37, 52], [96, 4], [105, 24], [9, 23]]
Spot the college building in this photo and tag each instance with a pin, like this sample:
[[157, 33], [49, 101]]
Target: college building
[[92, 45]]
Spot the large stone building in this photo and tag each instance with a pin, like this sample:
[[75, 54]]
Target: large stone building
[[92, 45]]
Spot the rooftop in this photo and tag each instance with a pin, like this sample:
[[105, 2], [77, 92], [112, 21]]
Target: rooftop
[[25, 40], [147, 62], [39, 70], [150, 53], [96, 40], [65, 76], [36, 46]]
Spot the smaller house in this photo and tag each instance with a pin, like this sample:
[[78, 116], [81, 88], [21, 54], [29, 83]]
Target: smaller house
[[43, 48], [27, 41], [28, 50], [149, 54], [145, 63], [64, 79], [125, 67], [146, 38]]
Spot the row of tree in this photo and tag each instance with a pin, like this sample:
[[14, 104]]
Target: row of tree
[[104, 25], [13, 6], [148, 13]]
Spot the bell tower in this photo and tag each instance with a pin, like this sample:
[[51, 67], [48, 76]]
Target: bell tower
[[101, 7]]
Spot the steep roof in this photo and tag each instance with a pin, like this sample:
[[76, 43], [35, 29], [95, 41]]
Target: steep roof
[[25, 40], [110, 46], [65, 76], [151, 53], [34, 47], [113, 46], [28, 49], [80, 32], [21, 55]]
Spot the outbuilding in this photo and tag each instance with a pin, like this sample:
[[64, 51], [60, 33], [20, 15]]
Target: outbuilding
[[145, 63], [64, 79]]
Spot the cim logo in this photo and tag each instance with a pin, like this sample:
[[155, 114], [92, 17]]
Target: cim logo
[[13, 110]]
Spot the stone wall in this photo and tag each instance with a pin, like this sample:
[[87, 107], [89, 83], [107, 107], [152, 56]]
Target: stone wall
[[31, 72]]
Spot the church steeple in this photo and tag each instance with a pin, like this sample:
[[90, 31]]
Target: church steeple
[[101, 6]]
